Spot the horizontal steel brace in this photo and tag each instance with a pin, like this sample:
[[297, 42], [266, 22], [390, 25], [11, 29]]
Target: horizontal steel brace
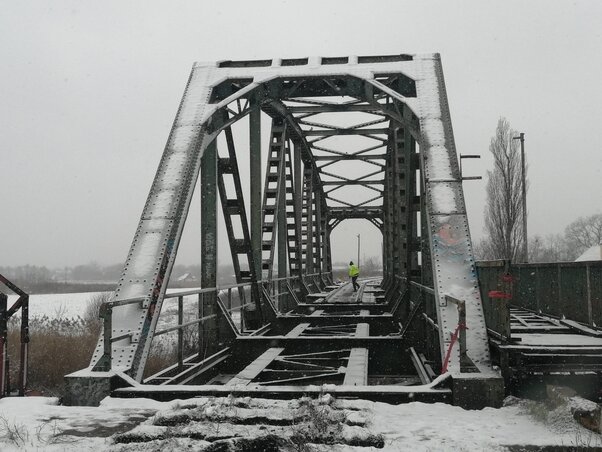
[[325, 133], [351, 157], [353, 182], [333, 108], [384, 393]]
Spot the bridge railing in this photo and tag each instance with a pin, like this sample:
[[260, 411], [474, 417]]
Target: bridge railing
[[421, 306], [569, 289], [6, 313], [458, 335], [422, 298], [231, 301]]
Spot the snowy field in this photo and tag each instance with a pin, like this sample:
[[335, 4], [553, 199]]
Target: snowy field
[[38, 423], [64, 305], [73, 305]]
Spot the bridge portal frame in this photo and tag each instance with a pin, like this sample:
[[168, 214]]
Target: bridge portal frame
[[409, 92]]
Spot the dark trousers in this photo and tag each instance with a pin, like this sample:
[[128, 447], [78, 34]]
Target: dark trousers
[[354, 282]]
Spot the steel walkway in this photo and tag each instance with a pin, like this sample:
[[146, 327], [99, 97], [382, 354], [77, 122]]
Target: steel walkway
[[315, 348]]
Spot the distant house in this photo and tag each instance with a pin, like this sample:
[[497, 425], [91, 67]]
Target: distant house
[[186, 277], [592, 254]]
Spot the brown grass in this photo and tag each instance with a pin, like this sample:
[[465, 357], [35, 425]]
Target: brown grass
[[58, 347], [54, 351]]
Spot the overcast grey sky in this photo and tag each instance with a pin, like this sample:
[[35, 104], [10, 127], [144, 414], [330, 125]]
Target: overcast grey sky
[[89, 91]]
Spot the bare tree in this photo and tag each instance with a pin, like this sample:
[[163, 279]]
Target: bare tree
[[551, 248], [503, 211], [584, 233], [92, 313]]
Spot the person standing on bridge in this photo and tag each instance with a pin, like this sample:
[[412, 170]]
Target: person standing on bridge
[[354, 273]]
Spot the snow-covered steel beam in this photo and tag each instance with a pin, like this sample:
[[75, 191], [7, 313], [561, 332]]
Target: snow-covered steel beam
[[418, 102]]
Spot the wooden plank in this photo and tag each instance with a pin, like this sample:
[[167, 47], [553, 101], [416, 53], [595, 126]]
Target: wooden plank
[[422, 372], [250, 372], [317, 313], [517, 318], [364, 312], [536, 328], [581, 328], [296, 332], [357, 368], [362, 330]]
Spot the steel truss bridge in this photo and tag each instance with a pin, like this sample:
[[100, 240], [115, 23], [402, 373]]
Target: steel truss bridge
[[366, 137]]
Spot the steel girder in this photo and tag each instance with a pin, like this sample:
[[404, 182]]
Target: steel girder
[[407, 91]]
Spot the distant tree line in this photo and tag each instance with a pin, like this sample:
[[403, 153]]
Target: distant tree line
[[41, 278], [23, 273], [578, 236]]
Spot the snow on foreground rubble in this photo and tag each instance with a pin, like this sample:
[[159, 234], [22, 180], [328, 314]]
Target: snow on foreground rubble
[[39, 423]]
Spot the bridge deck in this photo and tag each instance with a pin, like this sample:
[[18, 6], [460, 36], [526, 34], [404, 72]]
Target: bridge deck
[[540, 344], [334, 338], [345, 340]]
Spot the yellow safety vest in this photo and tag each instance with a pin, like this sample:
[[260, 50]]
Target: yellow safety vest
[[353, 270]]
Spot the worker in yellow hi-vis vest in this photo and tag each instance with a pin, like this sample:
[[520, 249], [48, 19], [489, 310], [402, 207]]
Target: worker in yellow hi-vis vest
[[354, 272]]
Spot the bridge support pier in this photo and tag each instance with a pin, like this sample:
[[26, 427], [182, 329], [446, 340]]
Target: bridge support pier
[[476, 391], [83, 388]]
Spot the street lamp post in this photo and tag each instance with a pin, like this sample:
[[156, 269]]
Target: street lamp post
[[525, 253], [358, 251]]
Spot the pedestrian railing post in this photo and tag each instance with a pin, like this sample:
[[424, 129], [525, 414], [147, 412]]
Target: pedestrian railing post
[[24, 359], [3, 346], [180, 332], [460, 329], [200, 315]]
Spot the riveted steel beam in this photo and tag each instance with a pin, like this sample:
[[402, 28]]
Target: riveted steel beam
[[405, 91]]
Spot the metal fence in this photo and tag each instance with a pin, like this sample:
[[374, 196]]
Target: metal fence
[[233, 302], [569, 289]]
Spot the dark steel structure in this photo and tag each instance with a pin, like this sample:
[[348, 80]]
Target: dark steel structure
[[365, 137], [543, 323], [6, 312]]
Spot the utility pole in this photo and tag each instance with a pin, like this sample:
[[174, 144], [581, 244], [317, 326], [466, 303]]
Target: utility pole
[[521, 137], [358, 251]]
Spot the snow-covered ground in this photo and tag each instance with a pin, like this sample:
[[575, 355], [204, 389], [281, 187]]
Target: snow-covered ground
[[73, 305], [65, 305], [38, 423]]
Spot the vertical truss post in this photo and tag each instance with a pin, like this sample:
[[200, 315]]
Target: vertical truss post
[[327, 248], [317, 233], [385, 229], [431, 336], [282, 231], [412, 241], [397, 225], [273, 186], [403, 211], [235, 207], [323, 236], [298, 193], [307, 221], [255, 181], [388, 232], [3, 346], [209, 336], [292, 207]]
